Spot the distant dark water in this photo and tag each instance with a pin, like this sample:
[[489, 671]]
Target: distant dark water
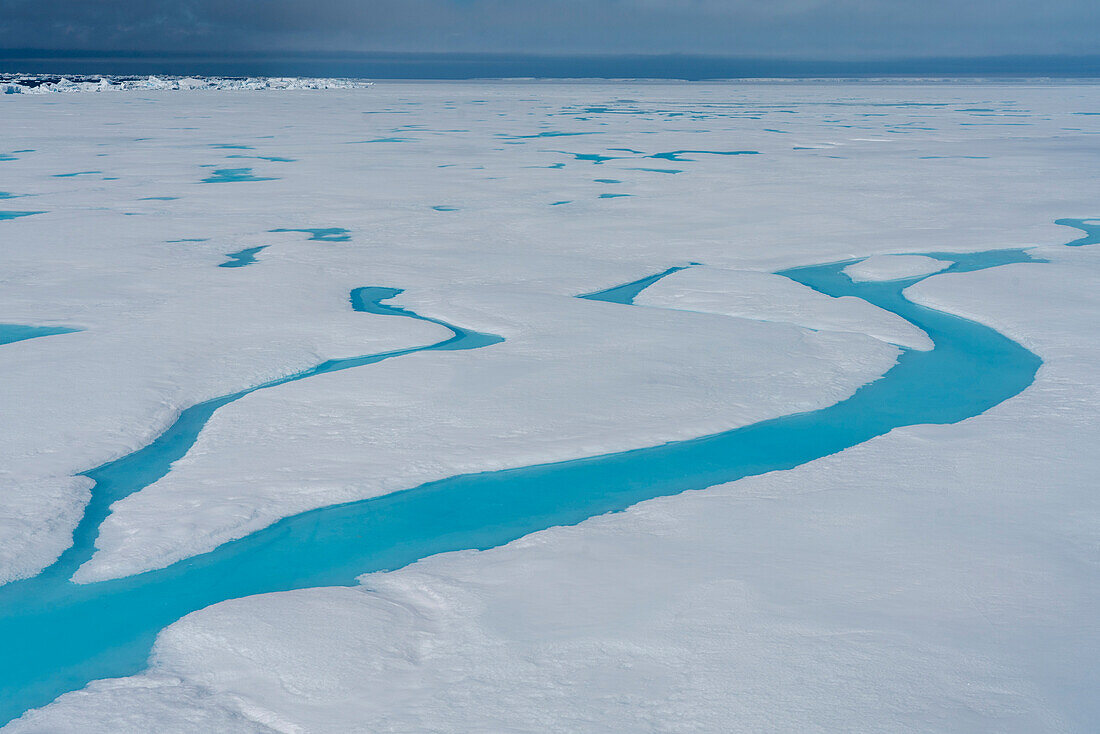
[[473, 66]]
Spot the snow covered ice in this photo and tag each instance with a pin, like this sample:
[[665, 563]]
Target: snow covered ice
[[940, 577], [49, 83], [893, 267]]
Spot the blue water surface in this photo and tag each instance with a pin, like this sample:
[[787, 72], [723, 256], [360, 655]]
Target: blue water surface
[[234, 175], [272, 158], [678, 155], [546, 135], [10, 333], [243, 257], [1091, 228], [323, 234], [627, 292], [595, 158]]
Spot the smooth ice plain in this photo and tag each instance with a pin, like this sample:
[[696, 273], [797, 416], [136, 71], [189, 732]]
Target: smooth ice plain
[[257, 344]]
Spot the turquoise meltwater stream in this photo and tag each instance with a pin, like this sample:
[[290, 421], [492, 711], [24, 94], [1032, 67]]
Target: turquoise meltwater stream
[[10, 333], [57, 636]]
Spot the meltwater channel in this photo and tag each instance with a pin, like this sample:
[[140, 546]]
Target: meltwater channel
[[57, 636]]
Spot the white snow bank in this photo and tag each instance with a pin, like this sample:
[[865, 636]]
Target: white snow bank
[[770, 297], [919, 582], [893, 267], [36, 520], [45, 84], [574, 378]]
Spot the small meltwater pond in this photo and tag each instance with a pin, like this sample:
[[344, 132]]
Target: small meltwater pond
[[234, 175], [322, 234], [57, 636], [242, 258]]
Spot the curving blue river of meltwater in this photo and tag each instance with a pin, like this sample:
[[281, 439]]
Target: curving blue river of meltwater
[[57, 636]]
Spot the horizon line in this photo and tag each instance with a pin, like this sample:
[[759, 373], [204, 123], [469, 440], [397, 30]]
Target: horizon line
[[480, 65]]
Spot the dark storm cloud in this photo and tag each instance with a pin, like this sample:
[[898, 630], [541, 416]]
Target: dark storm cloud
[[804, 28]]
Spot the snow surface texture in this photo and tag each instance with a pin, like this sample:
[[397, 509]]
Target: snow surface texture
[[45, 84], [484, 201], [893, 267], [918, 582]]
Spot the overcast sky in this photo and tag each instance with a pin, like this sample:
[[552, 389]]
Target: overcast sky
[[824, 29]]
